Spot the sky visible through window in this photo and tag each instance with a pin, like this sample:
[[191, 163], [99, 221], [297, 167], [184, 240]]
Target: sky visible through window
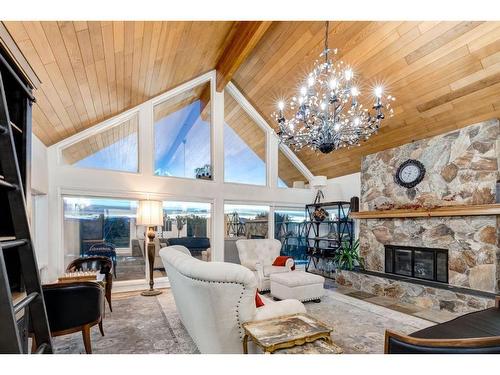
[[241, 163], [182, 144], [119, 156]]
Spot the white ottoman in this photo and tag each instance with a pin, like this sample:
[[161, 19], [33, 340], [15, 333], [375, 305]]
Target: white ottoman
[[300, 285]]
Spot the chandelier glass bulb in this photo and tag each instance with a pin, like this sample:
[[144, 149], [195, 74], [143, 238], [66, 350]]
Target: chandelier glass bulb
[[328, 113]]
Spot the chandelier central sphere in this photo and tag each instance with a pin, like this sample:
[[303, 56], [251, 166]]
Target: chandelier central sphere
[[327, 113]]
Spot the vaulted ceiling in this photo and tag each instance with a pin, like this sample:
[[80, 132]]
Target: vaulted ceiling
[[445, 75]]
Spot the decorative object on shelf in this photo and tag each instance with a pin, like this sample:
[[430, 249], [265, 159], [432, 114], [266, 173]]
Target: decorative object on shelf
[[320, 214], [347, 257], [328, 113], [354, 204], [150, 214], [204, 173], [410, 173], [319, 182]]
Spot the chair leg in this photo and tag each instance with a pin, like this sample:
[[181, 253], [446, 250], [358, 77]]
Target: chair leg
[[33, 344], [86, 339], [101, 328], [108, 298]]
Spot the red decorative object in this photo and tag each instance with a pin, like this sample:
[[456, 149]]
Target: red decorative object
[[281, 261], [258, 300]]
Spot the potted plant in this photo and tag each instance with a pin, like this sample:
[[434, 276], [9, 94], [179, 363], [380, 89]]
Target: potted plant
[[347, 256]]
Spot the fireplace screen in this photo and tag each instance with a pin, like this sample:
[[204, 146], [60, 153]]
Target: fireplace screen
[[419, 262]]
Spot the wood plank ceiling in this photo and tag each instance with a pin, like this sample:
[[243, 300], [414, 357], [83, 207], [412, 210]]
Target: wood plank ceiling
[[91, 71], [445, 75]]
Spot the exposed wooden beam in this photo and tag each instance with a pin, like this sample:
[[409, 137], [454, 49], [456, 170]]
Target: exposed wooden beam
[[245, 37]]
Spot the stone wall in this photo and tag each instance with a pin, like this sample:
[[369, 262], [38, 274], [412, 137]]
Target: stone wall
[[419, 295], [462, 167]]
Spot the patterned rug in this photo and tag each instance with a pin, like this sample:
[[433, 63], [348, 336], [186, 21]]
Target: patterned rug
[[137, 325], [151, 325]]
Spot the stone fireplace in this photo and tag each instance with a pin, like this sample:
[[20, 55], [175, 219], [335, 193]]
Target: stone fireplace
[[462, 168]]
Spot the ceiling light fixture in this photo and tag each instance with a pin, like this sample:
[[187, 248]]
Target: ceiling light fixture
[[328, 113]]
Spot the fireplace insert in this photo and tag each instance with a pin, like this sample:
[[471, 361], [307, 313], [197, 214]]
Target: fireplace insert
[[418, 262]]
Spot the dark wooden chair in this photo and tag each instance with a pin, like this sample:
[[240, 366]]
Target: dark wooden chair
[[103, 249], [474, 333], [74, 307], [98, 263]]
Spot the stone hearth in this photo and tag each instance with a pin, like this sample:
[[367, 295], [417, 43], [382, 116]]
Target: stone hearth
[[462, 168], [423, 296]]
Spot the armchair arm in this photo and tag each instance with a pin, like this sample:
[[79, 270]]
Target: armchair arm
[[289, 264], [397, 343], [259, 268]]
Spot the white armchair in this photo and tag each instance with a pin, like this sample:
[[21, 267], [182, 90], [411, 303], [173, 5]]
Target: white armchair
[[258, 255], [214, 298]]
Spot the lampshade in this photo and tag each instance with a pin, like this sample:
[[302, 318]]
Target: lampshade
[[150, 213], [318, 182]]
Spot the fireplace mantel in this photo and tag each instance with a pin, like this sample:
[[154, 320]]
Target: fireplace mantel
[[463, 210]]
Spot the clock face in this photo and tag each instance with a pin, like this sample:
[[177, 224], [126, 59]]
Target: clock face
[[410, 173]]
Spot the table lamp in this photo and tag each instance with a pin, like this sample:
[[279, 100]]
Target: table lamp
[[150, 214]]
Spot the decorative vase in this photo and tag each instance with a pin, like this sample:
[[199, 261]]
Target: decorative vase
[[320, 214]]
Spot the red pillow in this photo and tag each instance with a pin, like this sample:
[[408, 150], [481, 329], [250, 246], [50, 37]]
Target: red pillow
[[258, 300], [281, 261]]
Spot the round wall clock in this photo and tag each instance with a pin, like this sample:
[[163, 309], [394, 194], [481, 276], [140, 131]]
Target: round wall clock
[[410, 173]]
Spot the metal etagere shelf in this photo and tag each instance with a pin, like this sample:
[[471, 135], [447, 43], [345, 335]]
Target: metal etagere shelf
[[325, 237]]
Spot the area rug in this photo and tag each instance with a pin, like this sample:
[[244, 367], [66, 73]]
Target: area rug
[[359, 326], [137, 325], [152, 325]]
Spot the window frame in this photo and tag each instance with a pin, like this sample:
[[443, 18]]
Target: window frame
[[100, 128], [172, 94]]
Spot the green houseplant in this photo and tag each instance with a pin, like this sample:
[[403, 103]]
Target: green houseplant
[[347, 257]]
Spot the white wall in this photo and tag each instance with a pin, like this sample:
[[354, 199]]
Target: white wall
[[343, 188], [39, 167], [68, 180], [39, 204]]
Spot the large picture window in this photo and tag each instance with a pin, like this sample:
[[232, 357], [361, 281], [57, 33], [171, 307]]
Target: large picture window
[[115, 148], [182, 134], [291, 230], [244, 146], [98, 224], [188, 224], [243, 221]]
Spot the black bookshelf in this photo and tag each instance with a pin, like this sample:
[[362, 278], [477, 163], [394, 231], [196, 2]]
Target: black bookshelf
[[326, 236], [19, 100]]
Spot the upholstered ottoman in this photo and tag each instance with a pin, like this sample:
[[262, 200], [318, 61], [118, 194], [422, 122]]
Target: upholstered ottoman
[[299, 285]]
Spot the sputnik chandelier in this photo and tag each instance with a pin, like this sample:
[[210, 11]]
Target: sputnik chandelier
[[328, 114]]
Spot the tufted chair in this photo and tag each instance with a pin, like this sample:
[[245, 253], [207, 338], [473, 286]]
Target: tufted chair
[[214, 298], [258, 255]]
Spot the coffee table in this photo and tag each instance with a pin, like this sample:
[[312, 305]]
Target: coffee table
[[301, 332]]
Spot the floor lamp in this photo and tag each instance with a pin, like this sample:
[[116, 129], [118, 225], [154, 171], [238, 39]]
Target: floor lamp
[[150, 214]]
